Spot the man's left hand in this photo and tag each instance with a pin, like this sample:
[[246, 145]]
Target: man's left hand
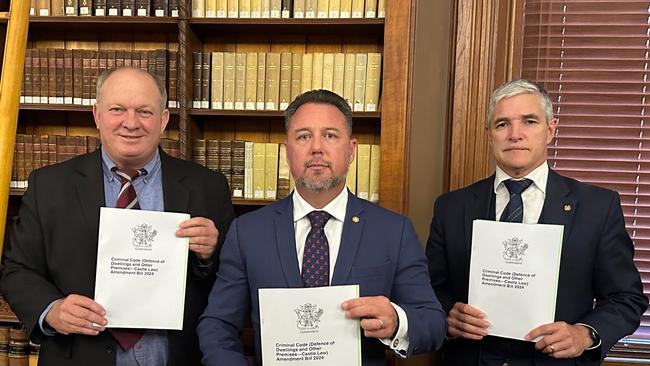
[[377, 314], [561, 340], [203, 236]]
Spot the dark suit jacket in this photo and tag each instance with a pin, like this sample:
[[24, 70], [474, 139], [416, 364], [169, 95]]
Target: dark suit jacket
[[380, 252], [53, 251], [596, 262]]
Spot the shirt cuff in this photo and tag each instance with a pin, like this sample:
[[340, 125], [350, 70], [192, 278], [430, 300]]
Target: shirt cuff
[[594, 329], [399, 344], [46, 329]]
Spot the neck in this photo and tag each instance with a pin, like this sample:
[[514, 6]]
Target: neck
[[320, 199]]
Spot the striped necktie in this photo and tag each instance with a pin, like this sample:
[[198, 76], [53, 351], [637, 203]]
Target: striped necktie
[[514, 211], [128, 199]]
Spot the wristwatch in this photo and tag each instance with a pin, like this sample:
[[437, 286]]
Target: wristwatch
[[595, 338]]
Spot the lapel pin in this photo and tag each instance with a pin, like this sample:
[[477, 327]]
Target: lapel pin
[[355, 219], [567, 208]]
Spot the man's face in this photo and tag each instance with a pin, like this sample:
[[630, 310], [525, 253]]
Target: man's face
[[129, 118], [319, 147], [519, 134]]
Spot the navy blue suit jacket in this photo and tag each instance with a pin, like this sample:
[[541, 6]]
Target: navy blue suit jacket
[[380, 252], [596, 262]]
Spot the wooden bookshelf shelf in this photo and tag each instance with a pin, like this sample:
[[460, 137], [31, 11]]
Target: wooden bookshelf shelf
[[16, 192], [67, 108], [95, 24], [205, 26], [247, 202], [249, 113]]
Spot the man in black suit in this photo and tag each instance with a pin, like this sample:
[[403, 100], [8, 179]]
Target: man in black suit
[[599, 298], [49, 271]]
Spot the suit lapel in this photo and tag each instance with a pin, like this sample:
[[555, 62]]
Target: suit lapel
[[478, 207], [176, 196], [559, 205], [285, 239], [88, 184], [350, 240]]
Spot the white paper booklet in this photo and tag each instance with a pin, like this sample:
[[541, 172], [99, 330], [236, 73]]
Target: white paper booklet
[[141, 268], [513, 275], [307, 326]]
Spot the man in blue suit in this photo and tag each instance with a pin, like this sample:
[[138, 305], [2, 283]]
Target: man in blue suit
[[599, 299], [367, 245]]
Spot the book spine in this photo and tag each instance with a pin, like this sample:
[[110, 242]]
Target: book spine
[[375, 160], [271, 169], [225, 160], [285, 80], [251, 80], [373, 78], [99, 8], [259, 170], [85, 7], [229, 80], [196, 79], [272, 91], [77, 77], [296, 75], [261, 81], [307, 65], [240, 80], [67, 77], [360, 81], [173, 80], [71, 8], [238, 167], [328, 71]]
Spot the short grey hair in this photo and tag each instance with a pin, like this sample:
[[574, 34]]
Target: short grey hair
[[101, 79], [517, 87], [320, 96]]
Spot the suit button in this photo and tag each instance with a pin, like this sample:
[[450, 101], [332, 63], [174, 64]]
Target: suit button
[[109, 349]]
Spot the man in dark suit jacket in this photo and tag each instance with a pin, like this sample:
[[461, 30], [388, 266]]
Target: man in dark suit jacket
[[374, 248], [49, 271], [599, 298]]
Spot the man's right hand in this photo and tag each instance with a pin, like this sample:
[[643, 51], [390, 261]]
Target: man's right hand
[[77, 314], [466, 321]]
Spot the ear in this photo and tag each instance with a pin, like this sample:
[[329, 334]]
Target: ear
[[352, 150], [164, 120], [96, 115], [552, 126]]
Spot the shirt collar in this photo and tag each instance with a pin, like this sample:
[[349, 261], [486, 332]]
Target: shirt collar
[[336, 207], [151, 167], [539, 176]]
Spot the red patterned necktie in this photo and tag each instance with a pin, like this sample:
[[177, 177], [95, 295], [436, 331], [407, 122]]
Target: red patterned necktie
[[316, 257], [128, 199]]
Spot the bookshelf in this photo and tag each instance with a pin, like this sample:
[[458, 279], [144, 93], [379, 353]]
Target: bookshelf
[[392, 36]]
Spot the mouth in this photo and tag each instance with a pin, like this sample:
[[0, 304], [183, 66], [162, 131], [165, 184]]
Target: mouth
[[516, 149], [130, 138], [317, 164]]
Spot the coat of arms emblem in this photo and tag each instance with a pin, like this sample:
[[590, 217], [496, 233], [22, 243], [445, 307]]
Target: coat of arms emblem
[[514, 250], [308, 317], [143, 236]]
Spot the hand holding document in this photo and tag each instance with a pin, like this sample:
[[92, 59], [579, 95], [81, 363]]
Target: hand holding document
[[307, 326], [513, 275], [141, 268]]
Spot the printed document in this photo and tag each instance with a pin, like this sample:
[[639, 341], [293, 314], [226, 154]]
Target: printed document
[[141, 268], [513, 275]]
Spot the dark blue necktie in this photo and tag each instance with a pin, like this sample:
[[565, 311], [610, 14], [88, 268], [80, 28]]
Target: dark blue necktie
[[514, 211], [316, 257]]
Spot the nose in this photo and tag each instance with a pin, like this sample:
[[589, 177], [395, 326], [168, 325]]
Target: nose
[[317, 144], [130, 120], [515, 131]]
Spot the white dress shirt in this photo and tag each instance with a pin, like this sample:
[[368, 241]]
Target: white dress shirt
[[333, 231], [533, 197]]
